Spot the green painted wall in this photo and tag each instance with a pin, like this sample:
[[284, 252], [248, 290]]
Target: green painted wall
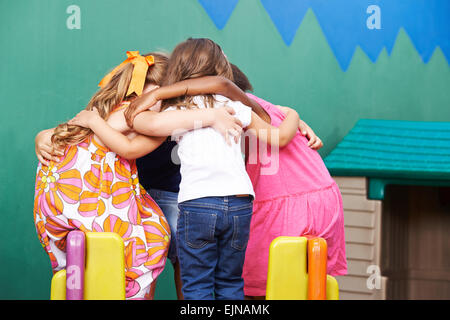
[[48, 73]]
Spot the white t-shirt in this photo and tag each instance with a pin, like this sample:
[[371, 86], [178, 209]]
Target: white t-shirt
[[209, 166]]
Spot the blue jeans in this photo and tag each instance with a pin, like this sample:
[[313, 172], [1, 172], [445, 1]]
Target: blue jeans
[[168, 202], [212, 237]]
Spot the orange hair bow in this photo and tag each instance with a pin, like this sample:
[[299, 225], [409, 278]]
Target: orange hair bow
[[141, 65]]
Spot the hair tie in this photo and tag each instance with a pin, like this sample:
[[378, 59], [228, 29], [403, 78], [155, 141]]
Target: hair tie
[[139, 75]]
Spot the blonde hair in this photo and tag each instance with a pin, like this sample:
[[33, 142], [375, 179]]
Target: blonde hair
[[108, 98], [195, 58]]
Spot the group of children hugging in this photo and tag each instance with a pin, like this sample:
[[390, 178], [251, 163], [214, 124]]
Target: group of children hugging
[[171, 153]]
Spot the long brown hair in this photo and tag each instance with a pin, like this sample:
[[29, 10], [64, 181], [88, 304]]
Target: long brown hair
[[108, 98], [195, 58], [240, 79]]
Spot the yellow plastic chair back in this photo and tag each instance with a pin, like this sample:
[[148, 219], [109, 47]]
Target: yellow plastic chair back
[[104, 277], [58, 286], [287, 276]]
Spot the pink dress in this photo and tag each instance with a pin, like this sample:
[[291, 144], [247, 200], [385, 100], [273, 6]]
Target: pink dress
[[294, 195]]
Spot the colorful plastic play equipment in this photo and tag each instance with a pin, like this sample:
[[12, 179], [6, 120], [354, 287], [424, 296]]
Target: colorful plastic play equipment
[[297, 270], [95, 268]]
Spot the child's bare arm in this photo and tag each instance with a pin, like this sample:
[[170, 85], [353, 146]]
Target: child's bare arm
[[280, 136], [116, 141], [200, 86], [166, 123], [225, 87]]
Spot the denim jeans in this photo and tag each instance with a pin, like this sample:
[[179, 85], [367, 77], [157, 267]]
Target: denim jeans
[[168, 202], [212, 236]]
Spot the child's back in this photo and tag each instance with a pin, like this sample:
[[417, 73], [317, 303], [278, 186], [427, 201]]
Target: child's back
[[209, 166], [94, 189], [294, 195], [213, 223], [293, 169]]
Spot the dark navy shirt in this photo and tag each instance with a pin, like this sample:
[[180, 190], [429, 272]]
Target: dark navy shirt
[[157, 170]]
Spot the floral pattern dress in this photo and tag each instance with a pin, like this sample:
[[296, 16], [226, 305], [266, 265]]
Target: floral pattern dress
[[94, 189]]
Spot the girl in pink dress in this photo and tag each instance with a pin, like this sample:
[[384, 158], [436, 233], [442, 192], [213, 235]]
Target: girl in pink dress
[[294, 196]]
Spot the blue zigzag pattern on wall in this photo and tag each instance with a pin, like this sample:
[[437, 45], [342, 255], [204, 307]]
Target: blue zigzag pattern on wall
[[219, 10], [344, 23]]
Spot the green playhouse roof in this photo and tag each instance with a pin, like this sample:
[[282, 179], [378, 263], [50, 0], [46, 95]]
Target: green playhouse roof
[[394, 151]]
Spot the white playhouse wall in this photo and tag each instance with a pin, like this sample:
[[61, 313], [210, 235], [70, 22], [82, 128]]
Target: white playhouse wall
[[362, 218]]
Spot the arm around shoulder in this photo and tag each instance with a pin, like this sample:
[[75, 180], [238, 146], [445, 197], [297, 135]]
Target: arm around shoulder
[[280, 136]]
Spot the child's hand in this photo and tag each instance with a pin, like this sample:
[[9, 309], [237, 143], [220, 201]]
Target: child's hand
[[314, 141], [85, 118], [44, 149], [138, 105], [226, 124]]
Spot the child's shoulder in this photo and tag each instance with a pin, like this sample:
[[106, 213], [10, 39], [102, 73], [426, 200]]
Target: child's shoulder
[[261, 101], [116, 119]]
